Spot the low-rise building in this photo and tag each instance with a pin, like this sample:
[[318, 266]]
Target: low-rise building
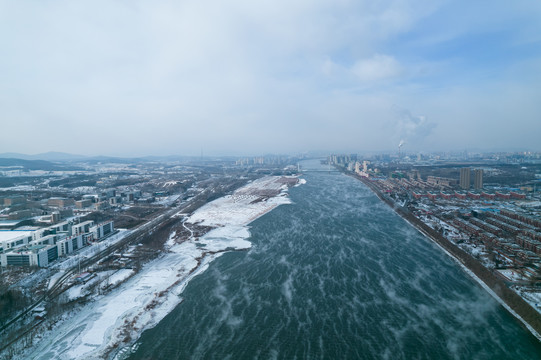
[[13, 200], [36, 255], [82, 228], [60, 202], [440, 181], [84, 203], [43, 246], [12, 239], [73, 243], [102, 230]]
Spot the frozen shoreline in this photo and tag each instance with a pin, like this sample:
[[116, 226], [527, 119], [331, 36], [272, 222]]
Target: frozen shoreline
[[108, 326]]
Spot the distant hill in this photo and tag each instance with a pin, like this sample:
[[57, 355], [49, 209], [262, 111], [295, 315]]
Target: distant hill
[[48, 156], [12, 164], [67, 158]]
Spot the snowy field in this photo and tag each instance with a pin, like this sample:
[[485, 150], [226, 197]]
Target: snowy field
[[167, 200], [19, 188], [115, 320]]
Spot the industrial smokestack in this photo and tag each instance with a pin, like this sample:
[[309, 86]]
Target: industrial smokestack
[[399, 147]]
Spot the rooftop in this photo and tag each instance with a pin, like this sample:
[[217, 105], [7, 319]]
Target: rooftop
[[12, 234]]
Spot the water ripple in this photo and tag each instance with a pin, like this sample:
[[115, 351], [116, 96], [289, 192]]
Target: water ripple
[[336, 275]]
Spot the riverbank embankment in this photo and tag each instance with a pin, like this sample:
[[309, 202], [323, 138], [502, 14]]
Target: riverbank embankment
[[511, 301]]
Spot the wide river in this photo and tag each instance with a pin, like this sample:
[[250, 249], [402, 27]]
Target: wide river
[[336, 275]]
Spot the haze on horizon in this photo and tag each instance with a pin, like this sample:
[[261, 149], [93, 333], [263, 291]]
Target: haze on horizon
[[132, 78]]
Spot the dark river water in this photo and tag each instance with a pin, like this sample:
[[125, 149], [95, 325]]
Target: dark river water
[[336, 275]]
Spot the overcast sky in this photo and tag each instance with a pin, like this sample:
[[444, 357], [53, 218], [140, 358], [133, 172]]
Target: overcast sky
[[131, 78]]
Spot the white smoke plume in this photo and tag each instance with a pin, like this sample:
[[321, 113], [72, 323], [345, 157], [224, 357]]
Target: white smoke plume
[[413, 129]]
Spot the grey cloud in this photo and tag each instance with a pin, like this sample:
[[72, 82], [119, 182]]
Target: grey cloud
[[236, 77]]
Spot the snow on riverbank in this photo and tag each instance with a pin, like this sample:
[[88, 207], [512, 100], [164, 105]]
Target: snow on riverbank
[[116, 319], [245, 205]]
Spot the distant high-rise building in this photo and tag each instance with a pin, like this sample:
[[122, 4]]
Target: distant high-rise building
[[465, 178], [478, 179], [365, 165]]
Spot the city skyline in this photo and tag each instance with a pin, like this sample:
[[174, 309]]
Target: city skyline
[[168, 78]]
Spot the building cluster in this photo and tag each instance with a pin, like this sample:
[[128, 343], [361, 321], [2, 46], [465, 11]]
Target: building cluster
[[42, 246], [342, 159], [17, 207], [263, 160], [486, 221], [18, 210], [514, 238], [435, 187], [439, 182], [108, 198], [468, 195], [404, 157], [362, 169]]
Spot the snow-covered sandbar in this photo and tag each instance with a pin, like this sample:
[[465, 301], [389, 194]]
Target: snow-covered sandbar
[[114, 321]]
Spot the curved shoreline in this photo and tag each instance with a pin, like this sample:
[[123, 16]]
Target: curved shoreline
[[110, 326], [511, 301]]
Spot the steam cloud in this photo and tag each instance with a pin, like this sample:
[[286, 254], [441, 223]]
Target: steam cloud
[[411, 128]]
